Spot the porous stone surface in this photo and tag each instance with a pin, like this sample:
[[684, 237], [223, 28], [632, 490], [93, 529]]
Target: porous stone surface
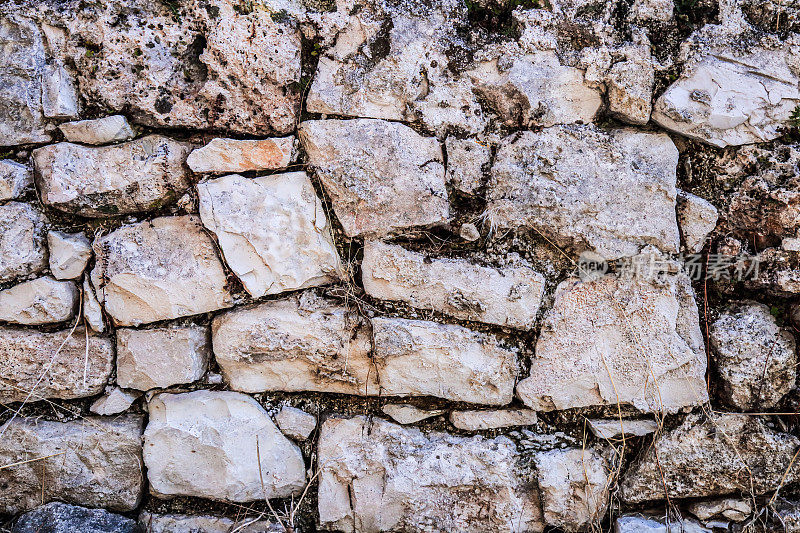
[[68, 254], [114, 402], [732, 509], [697, 218], [96, 181], [295, 423], [613, 429], [37, 364], [573, 486], [508, 296], [15, 178], [467, 159], [157, 270], [181, 523], [22, 240], [756, 360], [273, 231], [218, 445], [422, 358], [104, 130], [408, 414], [235, 155], [403, 479], [57, 517], [713, 456], [642, 524], [92, 461], [296, 344], [587, 188], [40, 301], [483, 420], [161, 357], [381, 176], [613, 340]]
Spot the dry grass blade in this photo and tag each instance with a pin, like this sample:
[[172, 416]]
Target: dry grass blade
[[18, 463]]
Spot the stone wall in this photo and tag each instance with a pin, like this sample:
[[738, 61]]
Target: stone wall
[[433, 265]]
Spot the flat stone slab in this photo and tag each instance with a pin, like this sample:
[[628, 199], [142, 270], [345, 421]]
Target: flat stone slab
[[235, 155]]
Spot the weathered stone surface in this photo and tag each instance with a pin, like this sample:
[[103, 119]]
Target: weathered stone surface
[[408, 414], [31, 365], [614, 429], [57, 517], [295, 423], [92, 312], [536, 90], [469, 232], [732, 97], [466, 161], [378, 476], [508, 296], [756, 360], [619, 340], [160, 357], [104, 130], [641, 524], [381, 176], [22, 237], [209, 444], [587, 188], [179, 523], [233, 155], [114, 402], [573, 486], [298, 344], [69, 254], [733, 509], [482, 420], [715, 456], [98, 181], [205, 65], [421, 358], [40, 301], [630, 87], [272, 230], [157, 270], [697, 218], [14, 179], [651, 10], [93, 461]]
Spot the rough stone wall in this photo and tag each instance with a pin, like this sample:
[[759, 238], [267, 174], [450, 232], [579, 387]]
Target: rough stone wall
[[374, 265]]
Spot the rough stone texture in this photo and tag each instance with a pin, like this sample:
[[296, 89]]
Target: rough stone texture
[[157, 270], [209, 444], [69, 254], [233, 155], [177, 523], [41, 301], [92, 181], [732, 97], [22, 238], [296, 344], [715, 456], [733, 509], [697, 218], [30, 362], [160, 357], [606, 340], [378, 476], [630, 86], [755, 359], [272, 230], [466, 161], [104, 130], [483, 420], [15, 178], [380, 176], [92, 312], [574, 487], [508, 296], [202, 65], [93, 461], [408, 414], [641, 524], [614, 429], [612, 192], [421, 358], [114, 402], [295, 423], [57, 517]]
